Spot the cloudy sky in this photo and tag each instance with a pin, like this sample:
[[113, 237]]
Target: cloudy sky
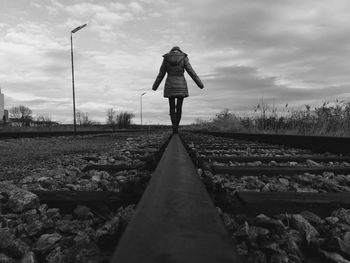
[[295, 52]]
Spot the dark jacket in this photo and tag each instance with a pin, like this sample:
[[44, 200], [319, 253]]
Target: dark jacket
[[175, 63]]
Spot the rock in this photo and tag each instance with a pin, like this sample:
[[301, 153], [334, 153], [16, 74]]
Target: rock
[[30, 215], [256, 163], [53, 213], [273, 163], [301, 224], [229, 222], [275, 225], [125, 214], [312, 163], [56, 256], [96, 178], [106, 235], [333, 257], [311, 217], [342, 214], [283, 181], [291, 247], [257, 256], [254, 232], [67, 226], [83, 212], [294, 259], [34, 228], [292, 163], [337, 245], [6, 259], [29, 258], [279, 258], [242, 248], [19, 200], [42, 209], [331, 220], [47, 242], [16, 249], [346, 237], [242, 231]]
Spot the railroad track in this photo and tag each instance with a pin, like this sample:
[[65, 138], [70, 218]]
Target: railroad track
[[35, 134], [214, 197], [246, 174], [263, 192]]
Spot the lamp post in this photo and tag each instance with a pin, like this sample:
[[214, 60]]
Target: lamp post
[[141, 106], [71, 53]]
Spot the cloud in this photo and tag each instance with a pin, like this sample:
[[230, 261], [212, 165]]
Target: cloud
[[283, 51]]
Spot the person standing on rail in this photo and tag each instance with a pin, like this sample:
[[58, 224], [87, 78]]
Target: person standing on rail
[[175, 63]]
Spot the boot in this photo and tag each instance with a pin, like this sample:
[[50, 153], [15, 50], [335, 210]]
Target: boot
[[174, 122], [178, 118]]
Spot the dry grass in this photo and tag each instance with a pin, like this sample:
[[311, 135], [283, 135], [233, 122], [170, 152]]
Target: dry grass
[[329, 119]]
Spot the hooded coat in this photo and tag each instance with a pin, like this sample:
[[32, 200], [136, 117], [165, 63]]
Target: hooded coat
[[175, 63]]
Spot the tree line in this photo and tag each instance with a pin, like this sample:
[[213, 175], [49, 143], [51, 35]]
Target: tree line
[[23, 116]]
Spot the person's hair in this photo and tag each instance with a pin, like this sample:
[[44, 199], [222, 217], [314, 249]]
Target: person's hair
[[175, 48]]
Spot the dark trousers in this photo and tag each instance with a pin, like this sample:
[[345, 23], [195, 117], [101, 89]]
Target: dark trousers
[[175, 105]]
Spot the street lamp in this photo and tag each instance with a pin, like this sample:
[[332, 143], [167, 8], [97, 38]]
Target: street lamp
[[71, 52], [141, 106]]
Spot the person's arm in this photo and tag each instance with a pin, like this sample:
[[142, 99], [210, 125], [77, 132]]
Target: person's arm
[[160, 76], [192, 73]]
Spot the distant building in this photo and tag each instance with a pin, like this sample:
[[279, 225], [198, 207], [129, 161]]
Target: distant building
[[2, 105], [3, 113]]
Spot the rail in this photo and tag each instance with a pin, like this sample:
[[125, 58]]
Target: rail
[[175, 220]]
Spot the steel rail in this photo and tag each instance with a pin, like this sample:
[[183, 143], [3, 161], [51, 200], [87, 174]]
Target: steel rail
[[32, 134], [175, 220]]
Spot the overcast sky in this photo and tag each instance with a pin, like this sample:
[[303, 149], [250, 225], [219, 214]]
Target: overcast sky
[[295, 52]]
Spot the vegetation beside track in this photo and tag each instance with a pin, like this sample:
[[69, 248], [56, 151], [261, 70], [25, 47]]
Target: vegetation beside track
[[329, 119]]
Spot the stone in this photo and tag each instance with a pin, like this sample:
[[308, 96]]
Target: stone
[[301, 224], [16, 249], [291, 247], [125, 214], [337, 245], [34, 228], [332, 220], [294, 259], [333, 257], [274, 225], [42, 209], [30, 215], [47, 242], [29, 257], [279, 258], [106, 234], [6, 259], [67, 226], [229, 222], [257, 256], [273, 163], [254, 232], [7, 237], [56, 256], [346, 237], [53, 213], [312, 163], [19, 200], [242, 231], [284, 181], [311, 217], [342, 214]]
